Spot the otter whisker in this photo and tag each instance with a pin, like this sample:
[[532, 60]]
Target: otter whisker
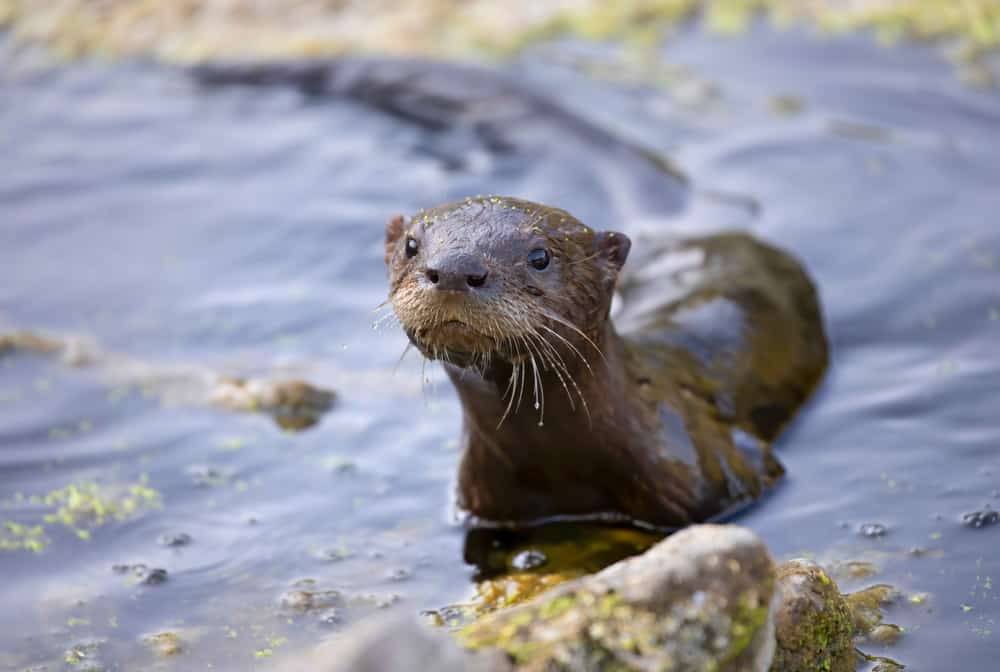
[[583, 259], [382, 319], [406, 350], [559, 368], [510, 402], [568, 344], [539, 389], [555, 318]]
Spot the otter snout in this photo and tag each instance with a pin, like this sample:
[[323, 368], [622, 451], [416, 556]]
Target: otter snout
[[456, 272]]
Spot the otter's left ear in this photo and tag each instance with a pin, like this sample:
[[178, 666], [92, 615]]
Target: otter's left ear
[[612, 248], [393, 230]]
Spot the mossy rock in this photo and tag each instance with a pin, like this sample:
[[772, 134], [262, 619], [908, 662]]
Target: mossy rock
[[814, 625], [698, 601]]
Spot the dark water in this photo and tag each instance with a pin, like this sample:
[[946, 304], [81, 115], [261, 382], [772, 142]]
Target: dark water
[[239, 229]]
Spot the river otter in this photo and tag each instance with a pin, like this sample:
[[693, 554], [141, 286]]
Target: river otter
[[662, 418]]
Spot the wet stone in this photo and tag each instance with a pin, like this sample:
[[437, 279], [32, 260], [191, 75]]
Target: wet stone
[[85, 655], [153, 577], [527, 560], [143, 574], [699, 600], [873, 530], [855, 569], [379, 600], [866, 606], [330, 616], [885, 634], [983, 518], [174, 539], [399, 574], [205, 476], [885, 665], [814, 625], [305, 600], [333, 554], [163, 644]]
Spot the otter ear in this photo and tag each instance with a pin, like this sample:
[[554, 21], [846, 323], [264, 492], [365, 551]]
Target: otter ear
[[393, 230], [612, 248]]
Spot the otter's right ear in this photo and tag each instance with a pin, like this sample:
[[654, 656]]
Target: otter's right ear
[[612, 248], [393, 230]]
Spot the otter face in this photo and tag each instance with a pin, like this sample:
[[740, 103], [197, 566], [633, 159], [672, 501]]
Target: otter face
[[501, 277]]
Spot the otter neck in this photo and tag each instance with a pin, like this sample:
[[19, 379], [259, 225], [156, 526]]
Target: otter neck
[[561, 406]]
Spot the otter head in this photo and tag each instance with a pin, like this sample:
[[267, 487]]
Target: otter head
[[499, 277]]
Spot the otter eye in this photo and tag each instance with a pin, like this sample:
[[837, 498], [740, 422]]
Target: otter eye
[[411, 247], [539, 259]]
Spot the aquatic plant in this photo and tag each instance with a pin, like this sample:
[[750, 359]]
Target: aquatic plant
[[81, 506]]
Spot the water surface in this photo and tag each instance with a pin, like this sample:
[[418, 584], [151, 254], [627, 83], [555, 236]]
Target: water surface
[[238, 229]]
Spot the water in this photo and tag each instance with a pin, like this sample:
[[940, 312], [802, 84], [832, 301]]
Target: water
[[238, 229]]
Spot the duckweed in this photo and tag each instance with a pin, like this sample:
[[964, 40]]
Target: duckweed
[[81, 507]]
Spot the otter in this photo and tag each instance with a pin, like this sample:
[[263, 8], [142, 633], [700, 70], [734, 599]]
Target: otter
[[662, 416]]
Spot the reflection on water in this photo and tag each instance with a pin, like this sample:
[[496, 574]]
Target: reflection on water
[[238, 230]]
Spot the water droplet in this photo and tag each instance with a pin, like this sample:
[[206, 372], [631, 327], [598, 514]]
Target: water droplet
[[537, 405]]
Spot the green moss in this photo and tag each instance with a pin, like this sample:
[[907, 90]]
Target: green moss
[[815, 624], [745, 627]]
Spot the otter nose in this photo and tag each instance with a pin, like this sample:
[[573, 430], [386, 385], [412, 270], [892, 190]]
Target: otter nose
[[456, 273]]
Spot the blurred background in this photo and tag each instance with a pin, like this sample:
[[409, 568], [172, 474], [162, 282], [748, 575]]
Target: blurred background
[[193, 197]]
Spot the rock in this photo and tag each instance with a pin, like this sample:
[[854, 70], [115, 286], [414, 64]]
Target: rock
[[28, 341], [699, 600], [85, 655], [983, 518], [814, 627], [141, 574], [398, 644], [174, 539], [873, 530], [707, 598], [163, 644], [153, 577], [866, 606], [308, 600], [885, 634], [294, 404]]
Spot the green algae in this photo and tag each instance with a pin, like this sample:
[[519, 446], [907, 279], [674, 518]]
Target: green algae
[[582, 629], [815, 627], [80, 507]]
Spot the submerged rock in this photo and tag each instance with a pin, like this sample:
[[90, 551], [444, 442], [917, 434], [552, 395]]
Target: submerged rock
[[294, 404], [164, 644], [866, 606], [814, 626], [174, 539]]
